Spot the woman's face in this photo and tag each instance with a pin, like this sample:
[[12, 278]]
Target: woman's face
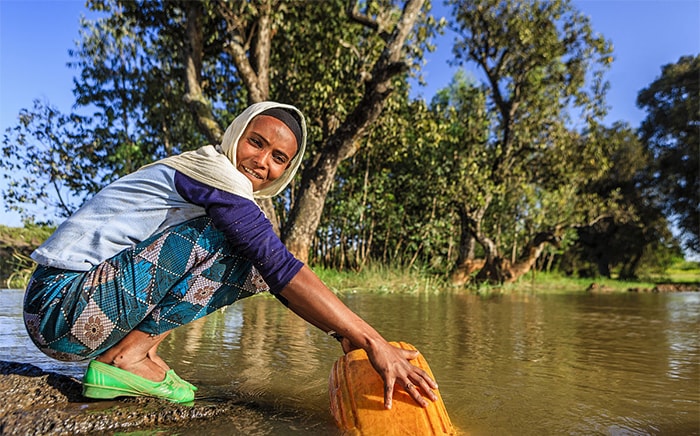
[[265, 150]]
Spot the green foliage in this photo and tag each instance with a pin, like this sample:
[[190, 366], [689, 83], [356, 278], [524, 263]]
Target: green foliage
[[387, 205], [132, 67], [520, 173], [633, 233], [683, 271], [51, 162], [670, 132]]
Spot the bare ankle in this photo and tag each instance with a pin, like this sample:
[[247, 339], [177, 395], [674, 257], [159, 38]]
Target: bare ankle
[[137, 353]]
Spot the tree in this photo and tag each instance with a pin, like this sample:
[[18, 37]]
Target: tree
[[51, 162], [390, 202], [163, 77], [542, 62], [634, 226], [132, 90], [343, 141], [671, 132], [462, 110]]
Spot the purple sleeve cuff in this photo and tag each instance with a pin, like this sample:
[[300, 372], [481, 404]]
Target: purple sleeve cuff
[[246, 228]]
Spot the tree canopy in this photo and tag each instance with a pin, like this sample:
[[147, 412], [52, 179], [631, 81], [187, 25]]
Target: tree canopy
[[671, 132], [486, 181]]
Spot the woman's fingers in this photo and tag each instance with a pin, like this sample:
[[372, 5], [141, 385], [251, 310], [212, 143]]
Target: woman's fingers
[[388, 393], [419, 376], [414, 392], [426, 385], [415, 381], [426, 382], [410, 354]]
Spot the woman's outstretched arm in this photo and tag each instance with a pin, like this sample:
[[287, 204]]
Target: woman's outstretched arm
[[311, 299]]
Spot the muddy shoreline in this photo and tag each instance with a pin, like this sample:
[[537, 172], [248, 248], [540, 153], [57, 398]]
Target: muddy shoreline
[[39, 403]]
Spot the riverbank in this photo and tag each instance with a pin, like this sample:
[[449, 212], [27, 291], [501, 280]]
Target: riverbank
[[17, 243], [391, 280], [39, 403]]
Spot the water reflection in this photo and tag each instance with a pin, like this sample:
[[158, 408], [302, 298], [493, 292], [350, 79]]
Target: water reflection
[[506, 364]]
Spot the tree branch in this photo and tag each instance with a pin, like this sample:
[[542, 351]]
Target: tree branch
[[194, 97], [255, 74], [354, 15]]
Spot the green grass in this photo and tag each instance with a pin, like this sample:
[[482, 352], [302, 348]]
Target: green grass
[[16, 244], [381, 279], [559, 282], [386, 279], [683, 271]]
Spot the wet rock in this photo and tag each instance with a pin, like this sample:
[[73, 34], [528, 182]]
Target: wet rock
[[36, 402]]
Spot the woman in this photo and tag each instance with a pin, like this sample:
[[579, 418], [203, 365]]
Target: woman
[[175, 241]]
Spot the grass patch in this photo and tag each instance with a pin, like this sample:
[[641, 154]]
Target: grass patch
[[381, 279], [683, 271], [555, 282], [16, 244], [386, 280]]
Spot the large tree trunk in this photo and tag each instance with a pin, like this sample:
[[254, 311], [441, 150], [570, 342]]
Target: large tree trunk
[[466, 264], [495, 269], [192, 53], [471, 233], [343, 143], [252, 63]]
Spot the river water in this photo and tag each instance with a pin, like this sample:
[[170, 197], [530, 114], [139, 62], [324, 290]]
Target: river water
[[507, 364]]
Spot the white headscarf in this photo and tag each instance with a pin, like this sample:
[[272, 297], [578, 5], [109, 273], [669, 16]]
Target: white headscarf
[[216, 166]]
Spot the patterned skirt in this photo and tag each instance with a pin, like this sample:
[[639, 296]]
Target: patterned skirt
[[166, 281]]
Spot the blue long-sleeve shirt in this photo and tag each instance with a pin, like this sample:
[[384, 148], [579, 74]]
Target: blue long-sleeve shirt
[[152, 200]]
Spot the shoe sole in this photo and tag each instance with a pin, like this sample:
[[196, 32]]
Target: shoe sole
[[105, 393]]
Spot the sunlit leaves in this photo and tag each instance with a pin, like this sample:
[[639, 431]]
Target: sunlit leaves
[[50, 162]]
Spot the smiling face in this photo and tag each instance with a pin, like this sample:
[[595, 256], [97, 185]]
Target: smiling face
[[265, 150]]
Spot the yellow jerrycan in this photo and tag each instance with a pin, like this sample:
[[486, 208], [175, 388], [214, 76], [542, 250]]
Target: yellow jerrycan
[[357, 401]]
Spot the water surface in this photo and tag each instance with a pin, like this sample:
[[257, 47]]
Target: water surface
[[525, 364]]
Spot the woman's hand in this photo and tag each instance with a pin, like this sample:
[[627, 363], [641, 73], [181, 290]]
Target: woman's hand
[[393, 366]]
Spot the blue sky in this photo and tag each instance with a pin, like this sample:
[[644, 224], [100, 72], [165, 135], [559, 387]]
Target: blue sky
[[35, 36]]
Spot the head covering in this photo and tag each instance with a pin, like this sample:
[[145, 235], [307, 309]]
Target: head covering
[[288, 119], [216, 166]]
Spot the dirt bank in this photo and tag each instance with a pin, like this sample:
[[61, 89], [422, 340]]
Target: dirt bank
[[36, 402]]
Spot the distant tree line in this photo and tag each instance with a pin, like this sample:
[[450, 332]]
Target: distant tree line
[[503, 171]]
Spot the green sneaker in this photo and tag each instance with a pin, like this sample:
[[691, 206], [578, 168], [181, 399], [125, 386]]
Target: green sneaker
[[104, 381], [183, 381]]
